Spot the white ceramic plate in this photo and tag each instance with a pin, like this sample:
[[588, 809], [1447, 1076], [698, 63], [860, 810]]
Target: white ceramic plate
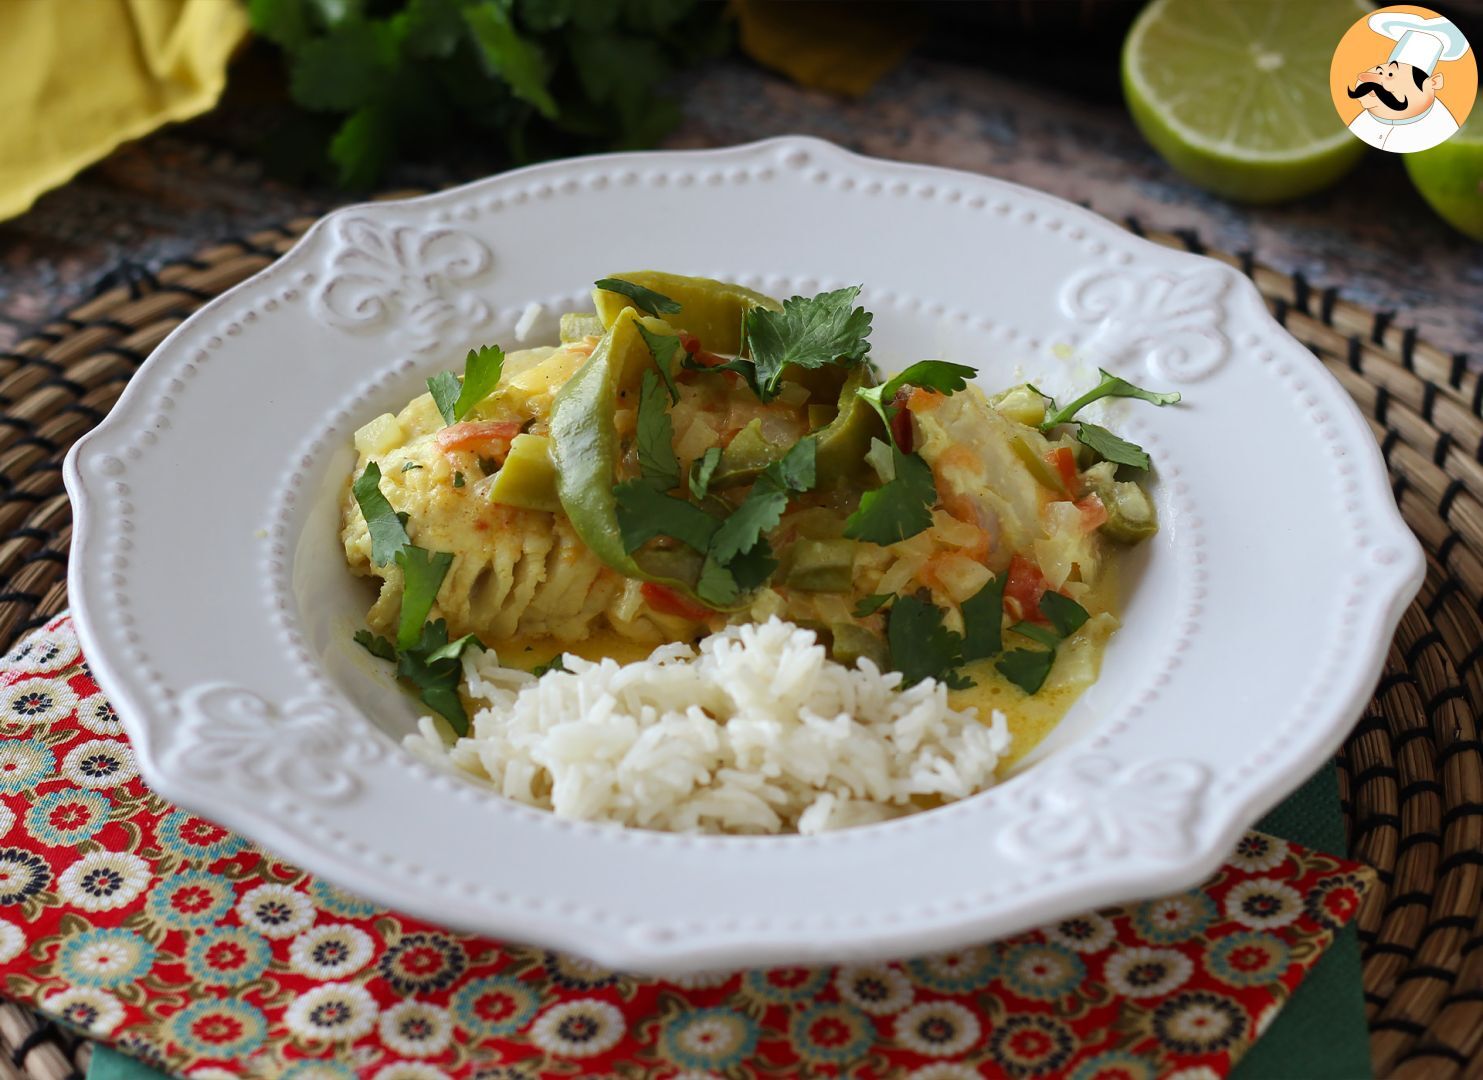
[[215, 608]]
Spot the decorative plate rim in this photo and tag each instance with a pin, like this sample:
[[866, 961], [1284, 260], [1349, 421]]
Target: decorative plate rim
[[1141, 854]]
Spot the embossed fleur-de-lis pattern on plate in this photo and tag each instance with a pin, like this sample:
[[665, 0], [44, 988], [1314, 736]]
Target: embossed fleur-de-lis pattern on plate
[[424, 278], [304, 750], [186, 946], [1091, 802], [1174, 323]]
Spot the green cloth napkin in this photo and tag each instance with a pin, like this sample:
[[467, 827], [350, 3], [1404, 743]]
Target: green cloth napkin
[[1319, 1035]]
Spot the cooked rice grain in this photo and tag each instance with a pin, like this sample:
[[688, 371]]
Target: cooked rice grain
[[757, 733]]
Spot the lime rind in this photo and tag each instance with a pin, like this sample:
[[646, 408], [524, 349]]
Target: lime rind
[[1214, 102]]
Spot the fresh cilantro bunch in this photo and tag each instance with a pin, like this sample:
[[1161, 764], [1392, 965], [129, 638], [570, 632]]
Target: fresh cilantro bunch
[[383, 78]]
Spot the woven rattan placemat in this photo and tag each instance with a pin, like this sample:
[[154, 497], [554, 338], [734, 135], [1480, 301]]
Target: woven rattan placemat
[[1411, 771]]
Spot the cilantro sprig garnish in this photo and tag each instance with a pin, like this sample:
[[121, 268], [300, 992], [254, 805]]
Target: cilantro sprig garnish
[[1103, 442], [387, 527], [899, 508], [902, 506], [424, 656], [922, 647], [655, 437], [646, 300], [455, 398], [940, 375], [739, 557], [1029, 668], [809, 332], [663, 347]]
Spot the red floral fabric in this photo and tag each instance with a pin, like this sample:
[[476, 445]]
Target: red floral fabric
[[192, 949]]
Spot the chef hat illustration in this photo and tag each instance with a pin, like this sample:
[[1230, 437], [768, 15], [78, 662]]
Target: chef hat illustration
[[1419, 41]]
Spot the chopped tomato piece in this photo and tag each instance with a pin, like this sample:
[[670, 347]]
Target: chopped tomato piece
[[1064, 462], [901, 430], [1093, 513], [487, 438], [666, 601], [1023, 590], [691, 344]]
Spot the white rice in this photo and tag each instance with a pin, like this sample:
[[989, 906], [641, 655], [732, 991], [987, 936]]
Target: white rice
[[757, 733]]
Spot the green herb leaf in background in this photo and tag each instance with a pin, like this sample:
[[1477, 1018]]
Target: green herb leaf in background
[[383, 81]]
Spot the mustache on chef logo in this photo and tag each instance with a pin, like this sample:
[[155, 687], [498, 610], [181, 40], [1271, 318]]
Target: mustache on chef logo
[[1389, 100]]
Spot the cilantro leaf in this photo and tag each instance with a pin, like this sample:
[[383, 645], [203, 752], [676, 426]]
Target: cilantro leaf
[[481, 371], [458, 479], [716, 586], [441, 696], [1039, 634], [763, 507], [1064, 613], [646, 300], [662, 347], [363, 145], [898, 509], [454, 650], [375, 644], [869, 605], [1027, 668], [798, 470], [939, 375], [422, 575], [509, 56], [702, 471], [408, 466], [556, 663], [753, 566], [921, 646], [388, 534], [280, 21], [445, 389], [983, 620], [342, 71], [655, 437], [455, 398], [645, 512], [1110, 386], [1111, 447], [811, 333]]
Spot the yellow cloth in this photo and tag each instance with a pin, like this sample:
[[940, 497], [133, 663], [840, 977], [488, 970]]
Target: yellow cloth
[[81, 76]]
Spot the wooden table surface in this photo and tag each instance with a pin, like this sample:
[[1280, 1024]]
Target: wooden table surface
[[179, 190]]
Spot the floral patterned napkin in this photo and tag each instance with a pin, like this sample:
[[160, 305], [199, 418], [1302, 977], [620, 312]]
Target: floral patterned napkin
[[189, 948]]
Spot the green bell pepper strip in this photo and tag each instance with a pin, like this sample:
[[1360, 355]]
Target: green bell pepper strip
[[711, 310], [584, 445], [842, 443]]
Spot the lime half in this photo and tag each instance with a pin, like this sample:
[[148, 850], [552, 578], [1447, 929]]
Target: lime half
[[1236, 95], [1450, 176]]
